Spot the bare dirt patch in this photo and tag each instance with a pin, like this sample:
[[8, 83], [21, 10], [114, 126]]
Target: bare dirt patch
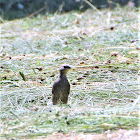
[[119, 135]]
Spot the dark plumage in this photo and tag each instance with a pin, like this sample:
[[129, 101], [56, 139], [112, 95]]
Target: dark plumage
[[61, 87]]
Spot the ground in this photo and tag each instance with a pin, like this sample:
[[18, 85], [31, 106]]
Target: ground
[[104, 48]]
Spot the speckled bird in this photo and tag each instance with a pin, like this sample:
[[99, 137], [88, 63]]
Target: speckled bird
[[61, 87]]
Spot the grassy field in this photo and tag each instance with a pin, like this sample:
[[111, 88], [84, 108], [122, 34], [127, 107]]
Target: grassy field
[[104, 96]]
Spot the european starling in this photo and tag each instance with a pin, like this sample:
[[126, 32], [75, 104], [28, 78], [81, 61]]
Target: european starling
[[61, 87]]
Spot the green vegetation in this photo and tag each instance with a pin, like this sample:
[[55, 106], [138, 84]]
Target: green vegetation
[[104, 86]]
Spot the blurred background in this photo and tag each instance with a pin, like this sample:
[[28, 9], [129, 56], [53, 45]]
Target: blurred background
[[12, 9]]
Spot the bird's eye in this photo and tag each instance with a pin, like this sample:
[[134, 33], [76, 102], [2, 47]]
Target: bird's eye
[[66, 67]]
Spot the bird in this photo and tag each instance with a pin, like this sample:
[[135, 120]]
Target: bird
[[61, 86]]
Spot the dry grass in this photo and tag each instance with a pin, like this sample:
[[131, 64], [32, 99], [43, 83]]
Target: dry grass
[[104, 86]]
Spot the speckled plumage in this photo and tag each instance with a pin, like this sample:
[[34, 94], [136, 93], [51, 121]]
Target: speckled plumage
[[61, 87]]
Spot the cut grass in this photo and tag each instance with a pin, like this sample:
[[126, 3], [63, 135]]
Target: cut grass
[[103, 87]]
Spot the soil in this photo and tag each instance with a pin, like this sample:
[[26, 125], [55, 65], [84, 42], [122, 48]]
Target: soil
[[118, 135]]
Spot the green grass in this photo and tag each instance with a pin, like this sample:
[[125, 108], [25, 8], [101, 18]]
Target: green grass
[[104, 88]]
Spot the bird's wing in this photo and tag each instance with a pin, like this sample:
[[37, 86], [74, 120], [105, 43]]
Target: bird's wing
[[55, 85], [69, 90], [53, 90]]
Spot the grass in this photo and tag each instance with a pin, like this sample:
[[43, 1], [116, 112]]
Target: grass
[[104, 86]]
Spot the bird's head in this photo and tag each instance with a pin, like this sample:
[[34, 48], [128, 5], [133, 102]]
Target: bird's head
[[65, 68]]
